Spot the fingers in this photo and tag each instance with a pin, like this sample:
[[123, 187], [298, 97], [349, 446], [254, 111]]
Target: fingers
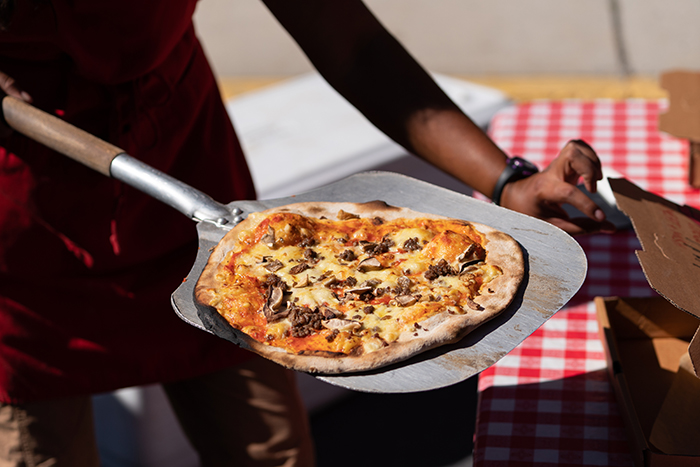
[[541, 195], [565, 193], [581, 225], [578, 160], [9, 87]]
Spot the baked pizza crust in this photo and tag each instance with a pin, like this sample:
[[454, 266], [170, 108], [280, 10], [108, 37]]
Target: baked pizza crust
[[443, 328]]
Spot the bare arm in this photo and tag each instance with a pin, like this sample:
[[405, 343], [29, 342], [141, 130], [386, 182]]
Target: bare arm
[[366, 65]]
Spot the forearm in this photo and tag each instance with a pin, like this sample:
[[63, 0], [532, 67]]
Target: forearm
[[366, 65]]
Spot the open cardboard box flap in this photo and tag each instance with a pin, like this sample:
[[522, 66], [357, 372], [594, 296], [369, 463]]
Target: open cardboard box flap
[[670, 237], [670, 259]]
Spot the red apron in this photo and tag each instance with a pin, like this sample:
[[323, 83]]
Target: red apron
[[87, 264]]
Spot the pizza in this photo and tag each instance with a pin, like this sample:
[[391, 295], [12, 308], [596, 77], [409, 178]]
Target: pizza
[[344, 287]]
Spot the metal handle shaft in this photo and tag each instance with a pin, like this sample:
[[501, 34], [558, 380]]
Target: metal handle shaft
[[112, 161]]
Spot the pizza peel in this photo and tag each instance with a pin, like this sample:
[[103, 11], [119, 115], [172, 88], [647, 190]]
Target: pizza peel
[[555, 263]]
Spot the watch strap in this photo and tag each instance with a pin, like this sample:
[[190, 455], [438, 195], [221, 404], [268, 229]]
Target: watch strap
[[516, 168]]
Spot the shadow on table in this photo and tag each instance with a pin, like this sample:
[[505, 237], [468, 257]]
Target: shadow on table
[[424, 429], [570, 421]]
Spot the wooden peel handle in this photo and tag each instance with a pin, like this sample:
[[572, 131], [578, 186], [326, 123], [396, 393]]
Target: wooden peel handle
[[58, 135]]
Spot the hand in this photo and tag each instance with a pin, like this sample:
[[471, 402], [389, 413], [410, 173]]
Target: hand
[[541, 195], [9, 87]]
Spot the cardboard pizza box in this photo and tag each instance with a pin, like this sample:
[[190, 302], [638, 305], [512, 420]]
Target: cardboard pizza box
[[652, 344], [644, 341], [682, 119]]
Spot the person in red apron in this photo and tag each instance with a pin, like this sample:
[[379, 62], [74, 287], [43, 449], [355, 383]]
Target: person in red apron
[[87, 264]]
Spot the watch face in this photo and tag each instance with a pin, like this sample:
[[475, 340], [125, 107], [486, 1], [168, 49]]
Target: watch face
[[523, 166]]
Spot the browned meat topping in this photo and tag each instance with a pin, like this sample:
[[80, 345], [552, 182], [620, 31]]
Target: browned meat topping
[[473, 305], [377, 221], [377, 336], [301, 267], [442, 268], [403, 286], [307, 242], [311, 256], [331, 337], [273, 280], [347, 255], [368, 310], [305, 321], [412, 244], [374, 249], [349, 282]]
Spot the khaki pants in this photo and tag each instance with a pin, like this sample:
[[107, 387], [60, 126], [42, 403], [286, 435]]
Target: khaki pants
[[250, 415]]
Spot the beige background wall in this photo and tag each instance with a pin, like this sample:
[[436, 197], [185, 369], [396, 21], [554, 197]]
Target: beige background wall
[[479, 37]]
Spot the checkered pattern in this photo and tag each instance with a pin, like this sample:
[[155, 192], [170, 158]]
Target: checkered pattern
[[549, 401]]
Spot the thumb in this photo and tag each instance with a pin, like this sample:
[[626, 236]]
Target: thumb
[[10, 88]]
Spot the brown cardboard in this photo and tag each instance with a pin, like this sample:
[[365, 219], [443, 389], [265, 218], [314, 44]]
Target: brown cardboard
[[694, 165], [683, 116], [644, 340], [676, 428], [670, 238]]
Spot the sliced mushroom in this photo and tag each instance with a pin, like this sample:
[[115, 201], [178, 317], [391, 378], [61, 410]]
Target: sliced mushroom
[[368, 246], [330, 281], [406, 300], [369, 264], [272, 315], [342, 324], [371, 283], [275, 299], [269, 238], [271, 309], [329, 313], [468, 268], [472, 254], [359, 290], [273, 266], [303, 282], [343, 216]]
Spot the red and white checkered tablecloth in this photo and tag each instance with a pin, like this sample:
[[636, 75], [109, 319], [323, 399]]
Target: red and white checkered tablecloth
[[549, 401]]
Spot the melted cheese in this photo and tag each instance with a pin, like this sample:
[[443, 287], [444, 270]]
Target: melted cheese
[[325, 281]]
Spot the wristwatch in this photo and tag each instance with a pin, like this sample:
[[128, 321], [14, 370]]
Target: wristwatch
[[517, 168]]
